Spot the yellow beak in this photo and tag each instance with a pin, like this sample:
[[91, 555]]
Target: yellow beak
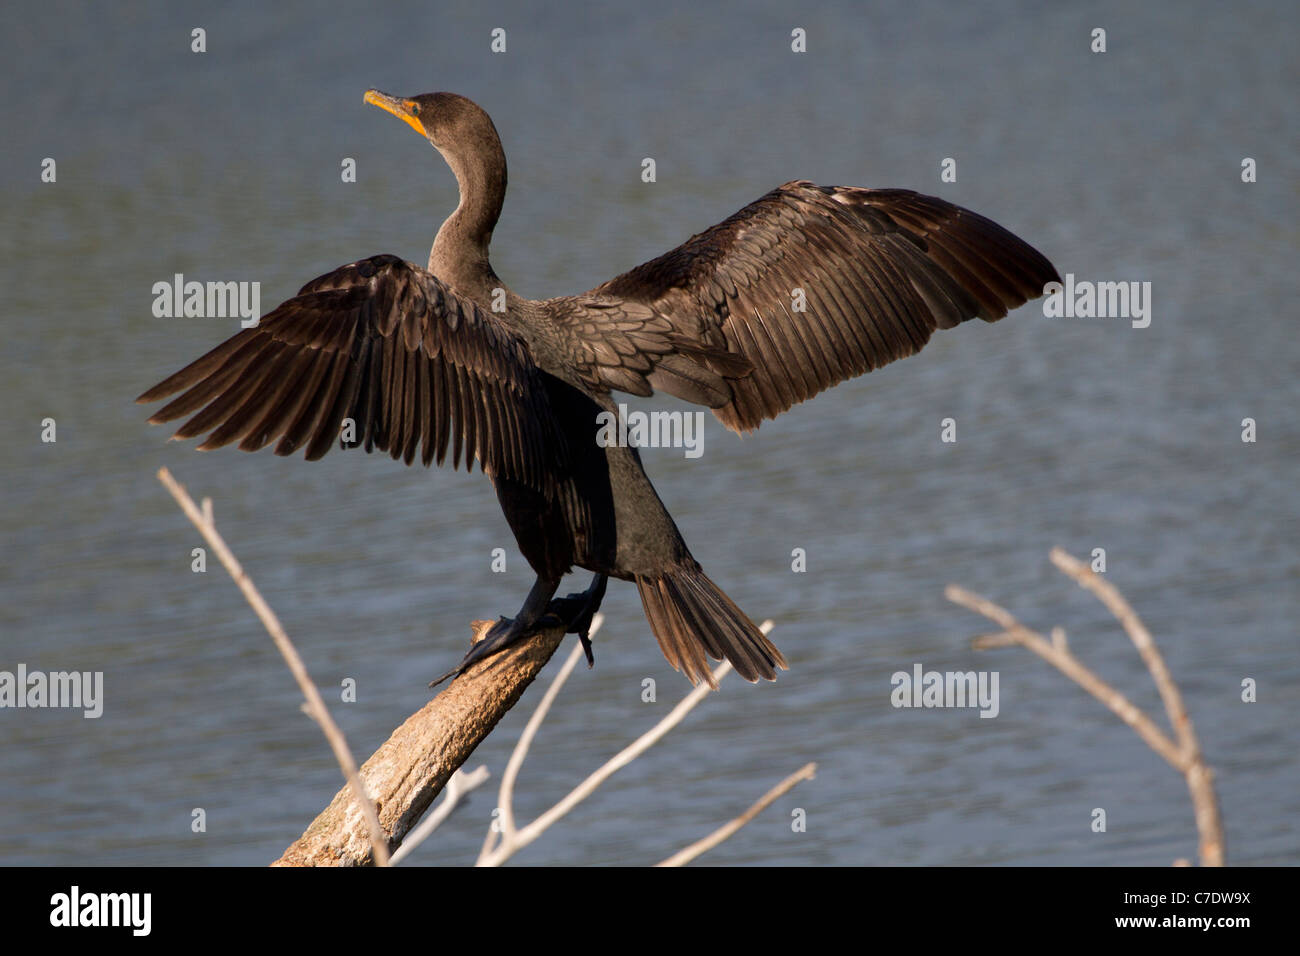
[[402, 109]]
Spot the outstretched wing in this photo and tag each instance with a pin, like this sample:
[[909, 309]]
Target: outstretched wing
[[616, 343], [877, 270], [384, 343]]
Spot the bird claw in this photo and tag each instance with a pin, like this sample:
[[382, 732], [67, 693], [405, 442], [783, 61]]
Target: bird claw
[[576, 612], [505, 632]]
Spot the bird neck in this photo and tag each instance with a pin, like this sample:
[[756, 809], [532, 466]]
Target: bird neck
[[460, 251]]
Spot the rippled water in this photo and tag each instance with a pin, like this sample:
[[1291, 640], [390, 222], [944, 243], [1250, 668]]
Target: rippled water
[[1082, 433]]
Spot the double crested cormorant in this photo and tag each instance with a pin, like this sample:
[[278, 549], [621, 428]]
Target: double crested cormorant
[[449, 358]]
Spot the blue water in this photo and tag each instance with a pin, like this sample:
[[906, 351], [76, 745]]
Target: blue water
[[1084, 433]]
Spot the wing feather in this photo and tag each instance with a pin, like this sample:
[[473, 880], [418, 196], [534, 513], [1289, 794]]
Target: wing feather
[[388, 345], [881, 269]]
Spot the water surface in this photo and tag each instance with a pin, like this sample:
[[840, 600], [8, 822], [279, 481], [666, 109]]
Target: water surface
[[1079, 433]]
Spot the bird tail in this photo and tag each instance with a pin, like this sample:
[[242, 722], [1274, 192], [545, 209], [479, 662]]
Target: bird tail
[[690, 616]]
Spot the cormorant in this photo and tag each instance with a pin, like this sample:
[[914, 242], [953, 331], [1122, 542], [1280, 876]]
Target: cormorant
[[448, 358]]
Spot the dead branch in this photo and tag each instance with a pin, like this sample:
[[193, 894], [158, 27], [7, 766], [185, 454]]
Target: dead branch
[[511, 840], [315, 706], [684, 856], [410, 769], [460, 783], [505, 839], [1184, 755]]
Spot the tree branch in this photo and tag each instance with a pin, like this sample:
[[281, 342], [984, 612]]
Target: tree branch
[[807, 772], [421, 757], [1184, 755], [315, 706], [505, 839], [459, 784], [410, 769]]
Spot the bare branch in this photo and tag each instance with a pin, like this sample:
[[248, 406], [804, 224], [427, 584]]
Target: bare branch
[[1184, 756], [684, 856], [1071, 667], [410, 769], [505, 797], [423, 755], [316, 709], [1200, 778], [460, 784], [497, 851], [1114, 602]]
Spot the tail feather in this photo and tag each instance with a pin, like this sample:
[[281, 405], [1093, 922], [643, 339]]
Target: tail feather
[[691, 617], [674, 635]]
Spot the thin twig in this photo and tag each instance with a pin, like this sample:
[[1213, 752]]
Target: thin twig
[[1200, 779], [1185, 756], [204, 521], [460, 784], [505, 798], [1123, 612], [1072, 667], [684, 856], [512, 840], [530, 730]]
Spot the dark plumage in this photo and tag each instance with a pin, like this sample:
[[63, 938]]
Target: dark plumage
[[421, 362]]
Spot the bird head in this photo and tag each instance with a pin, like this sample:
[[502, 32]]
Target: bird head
[[445, 119]]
